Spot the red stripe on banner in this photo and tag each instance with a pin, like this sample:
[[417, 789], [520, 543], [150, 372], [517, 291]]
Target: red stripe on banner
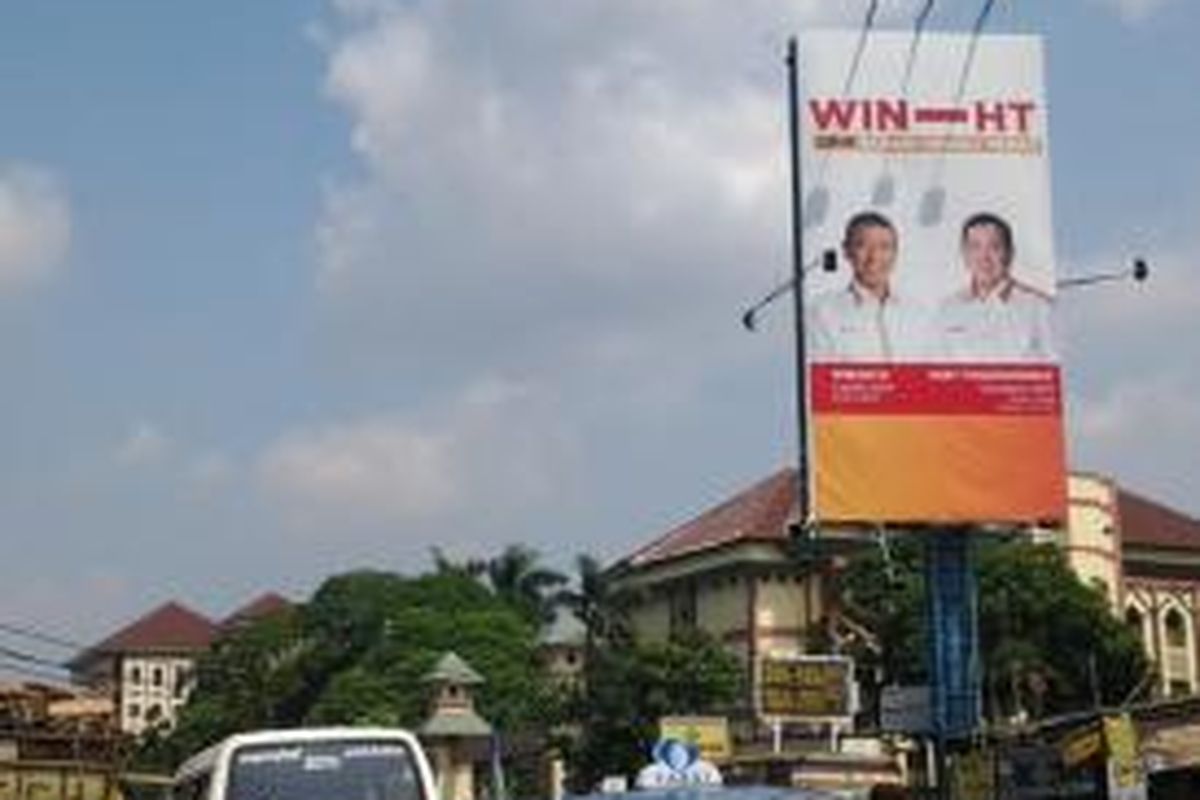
[[941, 115], [978, 389]]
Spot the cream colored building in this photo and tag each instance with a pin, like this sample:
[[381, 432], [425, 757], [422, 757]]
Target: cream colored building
[[731, 571], [149, 666], [728, 572], [1146, 558]]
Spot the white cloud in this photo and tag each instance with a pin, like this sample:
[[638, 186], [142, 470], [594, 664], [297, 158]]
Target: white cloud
[[210, 470], [380, 465], [145, 444], [1120, 416], [517, 158], [35, 225], [1136, 10], [1131, 356], [496, 447]]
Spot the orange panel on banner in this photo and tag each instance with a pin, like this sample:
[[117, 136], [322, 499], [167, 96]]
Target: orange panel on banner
[[940, 468]]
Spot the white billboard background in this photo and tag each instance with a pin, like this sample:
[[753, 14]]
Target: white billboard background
[[1013, 186]]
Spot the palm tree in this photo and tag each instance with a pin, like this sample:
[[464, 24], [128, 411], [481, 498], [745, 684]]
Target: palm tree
[[594, 603], [516, 578], [445, 565]]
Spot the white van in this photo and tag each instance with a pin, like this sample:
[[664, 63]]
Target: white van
[[309, 764]]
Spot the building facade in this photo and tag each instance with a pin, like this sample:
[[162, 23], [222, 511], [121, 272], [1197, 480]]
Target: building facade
[[1146, 558], [735, 571], [729, 572], [148, 667]]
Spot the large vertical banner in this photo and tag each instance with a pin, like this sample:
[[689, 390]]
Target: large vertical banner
[[935, 392]]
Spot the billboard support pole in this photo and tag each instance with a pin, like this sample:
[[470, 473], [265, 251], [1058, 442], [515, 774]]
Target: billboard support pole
[[802, 465], [951, 591]]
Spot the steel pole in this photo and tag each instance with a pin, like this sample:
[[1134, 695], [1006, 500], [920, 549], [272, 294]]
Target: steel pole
[[802, 482]]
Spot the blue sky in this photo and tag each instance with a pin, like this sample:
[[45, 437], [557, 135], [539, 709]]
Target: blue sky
[[287, 288]]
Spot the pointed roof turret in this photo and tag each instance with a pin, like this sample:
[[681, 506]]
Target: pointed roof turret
[[452, 669]]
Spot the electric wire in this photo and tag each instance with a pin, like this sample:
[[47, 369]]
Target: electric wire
[[864, 33], [18, 668], [976, 32], [28, 658], [816, 204], [933, 199], [39, 636]]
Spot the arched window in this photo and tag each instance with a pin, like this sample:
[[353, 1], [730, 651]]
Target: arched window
[[1136, 622], [1176, 629]]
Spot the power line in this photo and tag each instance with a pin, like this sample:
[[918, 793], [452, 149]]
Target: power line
[[39, 636], [28, 658], [976, 32], [30, 671]]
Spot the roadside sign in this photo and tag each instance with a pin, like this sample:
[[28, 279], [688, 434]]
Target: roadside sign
[[710, 735], [906, 709], [801, 687]]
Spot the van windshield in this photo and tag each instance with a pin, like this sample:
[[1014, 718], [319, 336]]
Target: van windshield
[[325, 770]]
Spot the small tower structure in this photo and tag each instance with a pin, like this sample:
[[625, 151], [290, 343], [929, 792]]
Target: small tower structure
[[455, 735]]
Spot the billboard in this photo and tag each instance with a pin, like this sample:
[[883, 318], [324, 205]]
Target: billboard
[[934, 385]]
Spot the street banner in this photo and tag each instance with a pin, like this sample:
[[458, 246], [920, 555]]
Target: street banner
[[935, 393]]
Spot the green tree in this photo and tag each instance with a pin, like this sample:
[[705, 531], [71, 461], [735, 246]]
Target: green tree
[[629, 686], [1049, 643], [516, 577], [251, 678], [356, 653], [595, 605]]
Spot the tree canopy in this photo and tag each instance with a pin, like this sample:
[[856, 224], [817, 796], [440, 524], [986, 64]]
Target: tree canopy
[[357, 652], [1049, 643]]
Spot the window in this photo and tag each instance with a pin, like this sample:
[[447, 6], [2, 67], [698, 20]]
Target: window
[[134, 711], [1176, 629], [156, 677], [683, 609], [183, 677], [1135, 620], [135, 675]]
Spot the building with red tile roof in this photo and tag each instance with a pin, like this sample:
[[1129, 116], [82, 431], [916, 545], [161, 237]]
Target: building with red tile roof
[[267, 604], [733, 570], [149, 665], [730, 571], [1145, 556]]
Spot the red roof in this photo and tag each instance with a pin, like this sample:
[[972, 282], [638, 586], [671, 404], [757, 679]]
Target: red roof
[[171, 626], [760, 513], [265, 605], [1147, 523]]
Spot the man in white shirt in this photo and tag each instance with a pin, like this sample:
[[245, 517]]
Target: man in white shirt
[[866, 321], [995, 318]]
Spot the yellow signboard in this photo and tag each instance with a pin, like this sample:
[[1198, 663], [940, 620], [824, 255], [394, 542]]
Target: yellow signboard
[[710, 735], [974, 776], [1125, 778], [806, 687], [1081, 746]]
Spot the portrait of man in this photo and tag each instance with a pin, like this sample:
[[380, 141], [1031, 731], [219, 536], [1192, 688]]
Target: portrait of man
[[866, 320], [994, 317]]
